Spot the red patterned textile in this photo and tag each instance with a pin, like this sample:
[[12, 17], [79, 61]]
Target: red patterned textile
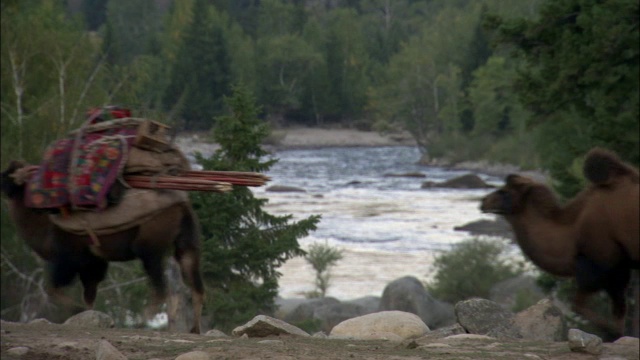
[[99, 159]]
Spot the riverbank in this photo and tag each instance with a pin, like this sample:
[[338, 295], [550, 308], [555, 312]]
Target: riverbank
[[313, 138]]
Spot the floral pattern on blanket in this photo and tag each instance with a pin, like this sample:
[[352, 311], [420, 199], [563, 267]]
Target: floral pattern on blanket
[[84, 184]]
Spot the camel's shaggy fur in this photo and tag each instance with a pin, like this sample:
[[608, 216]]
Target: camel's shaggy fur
[[594, 238], [173, 230]]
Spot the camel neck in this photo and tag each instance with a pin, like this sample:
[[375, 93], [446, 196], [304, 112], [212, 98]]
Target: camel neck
[[546, 241], [33, 228]]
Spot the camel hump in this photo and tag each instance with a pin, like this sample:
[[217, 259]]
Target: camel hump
[[601, 166]]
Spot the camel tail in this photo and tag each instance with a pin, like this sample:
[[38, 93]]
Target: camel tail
[[602, 166], [188, 250], [189, 238]]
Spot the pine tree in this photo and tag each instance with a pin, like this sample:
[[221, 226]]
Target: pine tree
[[242, 244], [201, 75]]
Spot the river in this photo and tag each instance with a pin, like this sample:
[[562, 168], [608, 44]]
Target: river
[[386, 226]]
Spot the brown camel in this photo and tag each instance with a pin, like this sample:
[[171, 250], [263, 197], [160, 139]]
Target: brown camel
[[594, 238], [172, 230]]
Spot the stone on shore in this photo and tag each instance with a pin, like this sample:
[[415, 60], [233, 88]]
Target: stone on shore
[[485, 317], [408, 294], [90, 318], [262, 326], [384, 325], [542, 321], [580, 341]]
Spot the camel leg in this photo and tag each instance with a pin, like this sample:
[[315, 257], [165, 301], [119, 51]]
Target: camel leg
[[91, 276], [619, 278], [591, 278], [190, 270], [154, 267], [62, 274]]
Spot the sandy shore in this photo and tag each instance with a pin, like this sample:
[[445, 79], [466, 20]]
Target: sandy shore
[[316, 137], [295, 138]]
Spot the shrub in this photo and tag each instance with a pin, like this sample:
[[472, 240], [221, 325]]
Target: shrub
[[470, 269], [322, 258]]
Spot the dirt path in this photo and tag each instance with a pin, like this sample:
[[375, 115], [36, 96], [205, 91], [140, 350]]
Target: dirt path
[[49, 341]]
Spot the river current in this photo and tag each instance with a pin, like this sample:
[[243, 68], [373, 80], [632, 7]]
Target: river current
[[386, 226]]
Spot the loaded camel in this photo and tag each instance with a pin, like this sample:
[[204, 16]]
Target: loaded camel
[[173, 230], [594, 238]]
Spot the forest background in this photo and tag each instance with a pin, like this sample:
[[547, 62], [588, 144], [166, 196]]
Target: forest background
[[532, 83]]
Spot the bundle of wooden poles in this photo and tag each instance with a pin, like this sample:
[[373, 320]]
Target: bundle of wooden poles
[[216, 181]]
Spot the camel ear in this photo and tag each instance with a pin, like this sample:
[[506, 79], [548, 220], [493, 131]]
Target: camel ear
[[517, 181]]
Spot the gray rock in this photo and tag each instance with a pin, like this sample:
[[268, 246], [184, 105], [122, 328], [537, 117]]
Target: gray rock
[[485, 317], [327, 312], [409, 295], [216, 334], [304, 311], [90, 318], [194, 355], [284, 188], [262, 325], [542, 321], [106, 351], [443, 332], [409, 174], [580, 341], [623, 348], [511, 291], [320, 335], [40, 321], [331, 315], [498, 227], [467, 181], [387, 325], [18, 351], [286, 306], [370, 304]]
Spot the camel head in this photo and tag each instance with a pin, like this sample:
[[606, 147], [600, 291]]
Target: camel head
[[509, 199], [13, 178]]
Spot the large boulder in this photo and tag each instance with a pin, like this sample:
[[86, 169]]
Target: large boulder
[[542, 321], [331, 315], [485, 317], [305, 310], [385, 325], [370, 304], [325, 313], [409, 295]]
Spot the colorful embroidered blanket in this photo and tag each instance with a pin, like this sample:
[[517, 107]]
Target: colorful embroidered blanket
[[97, 162]]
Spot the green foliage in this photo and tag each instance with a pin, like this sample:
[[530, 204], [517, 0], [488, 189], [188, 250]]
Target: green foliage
[[131, 27], [322, 258], [580, 80], [201, 74], [470, 269], [242, 245]]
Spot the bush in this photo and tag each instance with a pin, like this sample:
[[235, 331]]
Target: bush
[[470, 269], [322, 258]]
